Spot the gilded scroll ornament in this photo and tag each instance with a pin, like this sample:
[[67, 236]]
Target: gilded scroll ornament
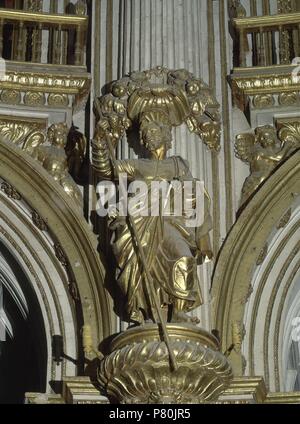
[[263, 151], [27, 134]]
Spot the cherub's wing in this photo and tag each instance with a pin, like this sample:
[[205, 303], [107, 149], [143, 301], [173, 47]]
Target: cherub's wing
[[244, 146]]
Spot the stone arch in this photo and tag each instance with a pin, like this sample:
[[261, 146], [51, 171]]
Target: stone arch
[[57, 251], [257, 279]]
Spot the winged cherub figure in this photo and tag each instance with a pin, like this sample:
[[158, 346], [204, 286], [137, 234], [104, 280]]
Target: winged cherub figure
[[262, 151]]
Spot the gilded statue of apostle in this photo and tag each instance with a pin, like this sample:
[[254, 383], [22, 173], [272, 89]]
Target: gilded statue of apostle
[[172, 249]]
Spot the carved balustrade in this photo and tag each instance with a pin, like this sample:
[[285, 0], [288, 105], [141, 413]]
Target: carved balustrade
[[42, 37], [271, 39]]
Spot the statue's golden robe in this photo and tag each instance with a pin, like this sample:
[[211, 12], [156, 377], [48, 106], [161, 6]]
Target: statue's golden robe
[[171, 247]]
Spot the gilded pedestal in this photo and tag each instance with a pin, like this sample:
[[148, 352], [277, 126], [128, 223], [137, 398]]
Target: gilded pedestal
[[137, 368]]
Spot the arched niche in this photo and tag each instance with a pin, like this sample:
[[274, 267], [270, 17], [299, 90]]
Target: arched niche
[[256, 282], [57, 252], [23, 342]]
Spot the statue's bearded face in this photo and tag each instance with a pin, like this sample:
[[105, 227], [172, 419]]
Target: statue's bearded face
[[155, 136]]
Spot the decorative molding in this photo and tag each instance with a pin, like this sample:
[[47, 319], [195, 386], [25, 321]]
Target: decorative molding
[[11, 97], [39, 222], [263, 254], [288, 99], [277, 341], [40, 83], [10, 191], [238, 334], [58, 100], [263, 101], [60, 254], [285, 219], [258, 81], [247, 295], [34, 99]]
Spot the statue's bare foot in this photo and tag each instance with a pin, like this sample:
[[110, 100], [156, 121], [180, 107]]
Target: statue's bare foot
[[182, 317]]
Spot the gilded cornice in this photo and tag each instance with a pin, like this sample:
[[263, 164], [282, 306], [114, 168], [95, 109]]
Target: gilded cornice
[[246, 82], [53, 83]]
